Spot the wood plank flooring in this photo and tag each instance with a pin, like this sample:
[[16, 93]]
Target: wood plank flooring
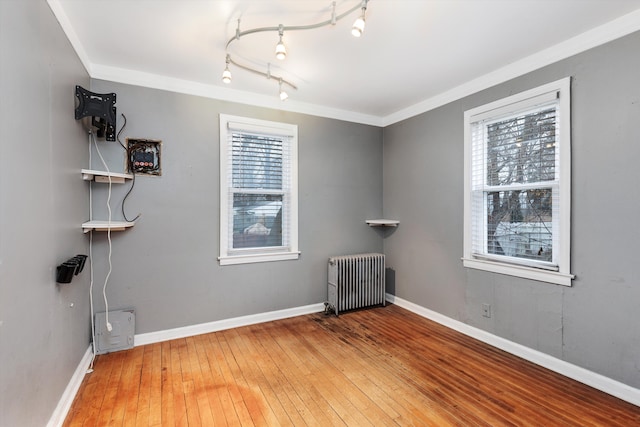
[[378, 367]]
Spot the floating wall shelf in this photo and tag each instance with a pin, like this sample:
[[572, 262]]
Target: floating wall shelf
[[106, 225], [382, 222], [102, 176]]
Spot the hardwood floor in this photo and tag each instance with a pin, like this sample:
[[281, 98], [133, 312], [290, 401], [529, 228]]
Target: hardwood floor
[[378, 367]]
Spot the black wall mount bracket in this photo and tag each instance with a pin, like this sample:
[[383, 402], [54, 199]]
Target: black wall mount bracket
[[101, 107]]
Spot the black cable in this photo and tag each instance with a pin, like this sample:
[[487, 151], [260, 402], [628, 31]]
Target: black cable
[[133, 173], [133, 182], [121, 129]]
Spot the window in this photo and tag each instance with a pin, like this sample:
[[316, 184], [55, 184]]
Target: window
[[258, 191], [518, 185]]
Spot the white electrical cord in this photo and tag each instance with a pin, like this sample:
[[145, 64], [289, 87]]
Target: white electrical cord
[[106, 279], [93, 328]]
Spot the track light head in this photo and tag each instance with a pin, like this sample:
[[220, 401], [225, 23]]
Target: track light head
[[358, 25], [283, 94], [226, 74], [281, 50]]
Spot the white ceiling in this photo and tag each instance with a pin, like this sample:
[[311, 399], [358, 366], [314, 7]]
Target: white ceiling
[[413, 55]]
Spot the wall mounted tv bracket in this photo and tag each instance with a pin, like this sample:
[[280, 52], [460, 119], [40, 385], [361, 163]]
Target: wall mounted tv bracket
[[101, 107]]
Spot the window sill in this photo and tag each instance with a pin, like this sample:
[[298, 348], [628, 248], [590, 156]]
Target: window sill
[[520, 271], [249, 259]]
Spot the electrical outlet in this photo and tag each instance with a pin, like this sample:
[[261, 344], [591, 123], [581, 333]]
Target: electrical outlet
[[486, 310]]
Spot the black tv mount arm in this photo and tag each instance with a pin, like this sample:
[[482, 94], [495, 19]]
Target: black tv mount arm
[[101, 107]]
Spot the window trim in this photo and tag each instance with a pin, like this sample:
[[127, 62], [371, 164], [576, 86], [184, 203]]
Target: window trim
[[268, 253], [562, 276]]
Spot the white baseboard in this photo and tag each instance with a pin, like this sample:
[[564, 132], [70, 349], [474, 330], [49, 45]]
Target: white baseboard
[[592, 379], [220, 325], [66, 400], [597, 381]]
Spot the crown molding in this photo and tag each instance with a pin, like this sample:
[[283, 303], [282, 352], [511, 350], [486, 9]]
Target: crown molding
[[605, 33], [595, 37], [155, 81], [67, 28]]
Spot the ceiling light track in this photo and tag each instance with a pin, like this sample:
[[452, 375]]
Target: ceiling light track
[[281, 50]]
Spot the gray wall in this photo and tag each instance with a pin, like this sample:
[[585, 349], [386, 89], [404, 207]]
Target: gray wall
[[43, 201], [166, 266], [593, 324]]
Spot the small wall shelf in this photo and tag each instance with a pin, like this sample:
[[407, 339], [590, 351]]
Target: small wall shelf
[[382, 222], [102, 176], [106, 225]]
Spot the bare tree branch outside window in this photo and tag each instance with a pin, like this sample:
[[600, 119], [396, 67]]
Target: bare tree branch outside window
[[521, 153]]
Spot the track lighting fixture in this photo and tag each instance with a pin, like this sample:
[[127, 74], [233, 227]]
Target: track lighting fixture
[[226, 74], [358, 25], [281, 50], [283, 94]]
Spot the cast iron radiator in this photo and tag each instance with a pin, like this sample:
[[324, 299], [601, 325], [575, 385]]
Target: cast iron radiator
[[355, 281]]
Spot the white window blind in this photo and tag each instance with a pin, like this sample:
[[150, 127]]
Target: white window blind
[[517, 195], [515, 187], [258, 190]]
